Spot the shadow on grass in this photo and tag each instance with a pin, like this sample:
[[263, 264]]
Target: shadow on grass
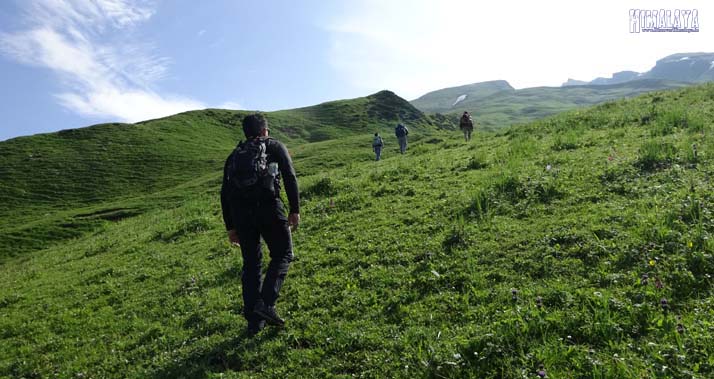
[[224, 357]]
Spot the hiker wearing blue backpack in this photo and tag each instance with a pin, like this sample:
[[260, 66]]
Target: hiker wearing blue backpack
[[252, 208], [402, 132], [377, 144]]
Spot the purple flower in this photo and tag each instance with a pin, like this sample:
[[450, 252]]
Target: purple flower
[[664, 304], [542, 374]]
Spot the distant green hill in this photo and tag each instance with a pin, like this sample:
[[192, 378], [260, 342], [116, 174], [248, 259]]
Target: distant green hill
[[496, 104], [450, 99], [47, 174], [577, 246]]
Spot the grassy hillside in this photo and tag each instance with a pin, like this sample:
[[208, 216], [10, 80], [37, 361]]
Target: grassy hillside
[[47, 175], [579, 245], [494, 110]]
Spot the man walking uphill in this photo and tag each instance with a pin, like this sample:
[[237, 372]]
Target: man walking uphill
[[402, 132], [250, 199], [377, 144], [467, 125]]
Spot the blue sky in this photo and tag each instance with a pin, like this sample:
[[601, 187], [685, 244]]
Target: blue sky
[[72, 63]]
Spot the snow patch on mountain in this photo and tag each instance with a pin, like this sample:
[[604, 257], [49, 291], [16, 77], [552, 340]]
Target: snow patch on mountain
[[711, 66], [459, 99], [683, 59]]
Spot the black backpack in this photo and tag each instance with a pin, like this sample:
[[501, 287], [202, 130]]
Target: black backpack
[[401, 130], [248, 170]]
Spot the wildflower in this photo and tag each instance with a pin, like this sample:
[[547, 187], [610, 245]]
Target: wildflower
[[658, 284], [680, 328], [652, 262], [645, 279], [690, 244], [548, 167], [514, 294], [539, 302], [541, 372], [664, 304], [597, 293]]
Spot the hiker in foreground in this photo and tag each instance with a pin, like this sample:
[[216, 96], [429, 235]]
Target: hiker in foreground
[[402, 132], [252, 207], [466, 124], [377, 145]]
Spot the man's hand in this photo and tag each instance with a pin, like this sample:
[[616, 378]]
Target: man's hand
[[294, 220], [233, 237]]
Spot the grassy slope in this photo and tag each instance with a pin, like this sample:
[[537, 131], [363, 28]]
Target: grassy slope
[[406, 267], [511, 107], [73, 178]]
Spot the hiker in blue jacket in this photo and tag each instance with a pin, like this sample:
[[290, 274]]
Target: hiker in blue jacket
[[402, 132], [377, 144]]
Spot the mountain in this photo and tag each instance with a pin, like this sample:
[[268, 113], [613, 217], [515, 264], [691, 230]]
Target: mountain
[[683, 67], [495, 105], [580, 245], [49, 173], [456, 97], [574, 82], [617, 78]]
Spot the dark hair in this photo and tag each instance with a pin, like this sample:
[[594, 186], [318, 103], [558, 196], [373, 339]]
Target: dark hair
[[376, 134], [253, 124]]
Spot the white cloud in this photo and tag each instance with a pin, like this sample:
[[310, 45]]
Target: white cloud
[[128, 106], [230, 105], [415, 46], [100, 79]]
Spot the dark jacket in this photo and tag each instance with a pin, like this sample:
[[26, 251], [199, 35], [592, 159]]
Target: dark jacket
[[466, 122], [401, 131], [233, 205]]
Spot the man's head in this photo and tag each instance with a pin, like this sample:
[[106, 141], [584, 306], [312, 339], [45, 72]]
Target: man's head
[[376, 134], [466, 113], [254, 125]]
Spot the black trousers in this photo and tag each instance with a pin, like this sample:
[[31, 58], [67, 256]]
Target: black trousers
[[267, 220]]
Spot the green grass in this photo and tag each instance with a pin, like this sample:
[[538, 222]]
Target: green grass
[[61, 176], [484, 259]]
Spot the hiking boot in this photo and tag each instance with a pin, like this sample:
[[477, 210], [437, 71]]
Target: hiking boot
[[254, 327], [269, 314]]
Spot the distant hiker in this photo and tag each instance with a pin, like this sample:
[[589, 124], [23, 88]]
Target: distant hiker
[[467, 125], [402, 132], [377, 144], [252, 208]]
